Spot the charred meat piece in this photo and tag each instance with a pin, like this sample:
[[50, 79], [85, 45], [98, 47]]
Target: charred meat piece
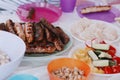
[[63, 36], [41, 49], [58, 44], [31, 13], [10, 26], [49, 27], [2, 26], [49, 35], [19, 31], [29, 32], [39, 32]]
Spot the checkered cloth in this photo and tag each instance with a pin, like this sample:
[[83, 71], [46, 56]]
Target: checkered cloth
[[13, 4]]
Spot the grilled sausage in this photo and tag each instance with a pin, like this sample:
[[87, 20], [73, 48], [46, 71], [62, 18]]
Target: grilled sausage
[[49, 35], [29, 32], [31, 14], [95, 9], [41, 49], [19, 31], [39, 32], [2, 26], [10, 26], [63, 36], [58, 44]]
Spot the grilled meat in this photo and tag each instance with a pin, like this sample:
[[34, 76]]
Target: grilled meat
[[41, 37], [93, 9], [41, 49], [29, 32], [58, 44], [49, 26], [49, 35], [2, 26], [39, 32], [63, 36], [10, 26], [31, 13], [19, 31]]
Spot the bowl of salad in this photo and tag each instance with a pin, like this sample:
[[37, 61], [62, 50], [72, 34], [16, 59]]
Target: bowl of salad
[[102, 58]]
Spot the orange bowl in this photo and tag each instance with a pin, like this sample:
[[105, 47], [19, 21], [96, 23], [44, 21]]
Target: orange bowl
[[67, 62]]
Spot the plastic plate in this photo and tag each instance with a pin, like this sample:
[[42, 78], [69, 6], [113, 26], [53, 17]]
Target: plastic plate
[[41, 10]]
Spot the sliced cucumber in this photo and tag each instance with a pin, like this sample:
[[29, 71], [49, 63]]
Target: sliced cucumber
[[101, 46], [105, 55], [97, 52], [112, 63], [101, 63], [93, 55]]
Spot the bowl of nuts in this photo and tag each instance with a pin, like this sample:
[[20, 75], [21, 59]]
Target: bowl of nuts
[[68, 69]]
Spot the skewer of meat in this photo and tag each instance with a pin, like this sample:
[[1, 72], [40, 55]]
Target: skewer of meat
[[19, 31]]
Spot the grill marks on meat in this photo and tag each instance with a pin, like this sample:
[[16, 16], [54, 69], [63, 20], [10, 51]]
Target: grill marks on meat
[[41, 37], [10, 26], [49, 35], [19, 30], [29, 32], [39, 32], [41, 49], [57, 41], [58, 44], [2, 26], [64, 37]]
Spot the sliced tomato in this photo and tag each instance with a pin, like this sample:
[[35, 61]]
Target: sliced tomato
[[116, 69], [108, 70], [112, 51], [117, 59]]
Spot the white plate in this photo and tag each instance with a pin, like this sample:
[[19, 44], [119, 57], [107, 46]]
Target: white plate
[[74, 35]]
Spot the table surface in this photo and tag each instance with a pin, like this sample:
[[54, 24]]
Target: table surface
[[65, 21]]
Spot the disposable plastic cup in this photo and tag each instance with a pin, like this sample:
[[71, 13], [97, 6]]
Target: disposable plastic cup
[[67, 5]]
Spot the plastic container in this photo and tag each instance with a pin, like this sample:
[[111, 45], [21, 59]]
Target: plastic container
[[68, 62]]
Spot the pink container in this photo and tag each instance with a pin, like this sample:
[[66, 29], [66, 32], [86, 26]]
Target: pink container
[[42, 10]]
